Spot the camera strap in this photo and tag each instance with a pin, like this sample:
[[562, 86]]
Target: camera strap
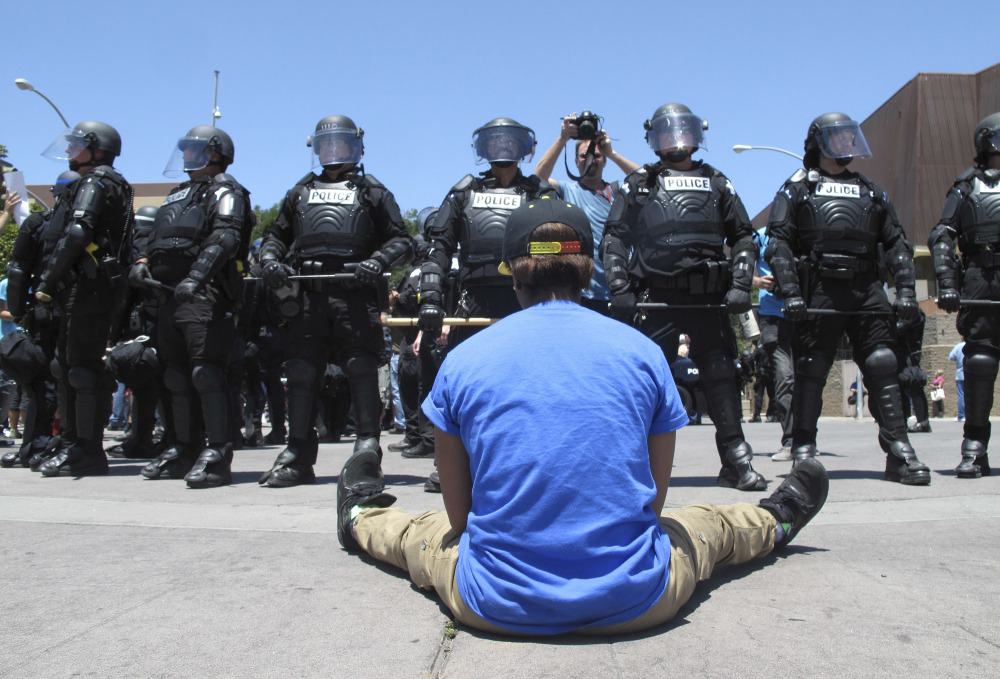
[[587, 162]]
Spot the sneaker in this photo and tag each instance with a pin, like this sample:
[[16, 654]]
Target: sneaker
[[783, 455], [799, 497], [360, 483]]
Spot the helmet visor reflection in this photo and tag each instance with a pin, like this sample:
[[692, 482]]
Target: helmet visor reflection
[[676, 131], [189, 155], [503, 144], [843, 139], [336, 147]]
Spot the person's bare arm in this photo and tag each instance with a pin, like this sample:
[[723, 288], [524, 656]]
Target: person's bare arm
[[661, 462], [456, 478], [604, 144], [547, 162]]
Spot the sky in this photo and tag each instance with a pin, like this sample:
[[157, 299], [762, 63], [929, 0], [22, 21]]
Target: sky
[[420, 77]]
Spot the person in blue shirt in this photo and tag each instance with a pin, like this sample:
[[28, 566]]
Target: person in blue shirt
[[958, 355], [555, 432]]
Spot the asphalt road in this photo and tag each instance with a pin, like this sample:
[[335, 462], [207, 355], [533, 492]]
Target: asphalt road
[[118, 576]]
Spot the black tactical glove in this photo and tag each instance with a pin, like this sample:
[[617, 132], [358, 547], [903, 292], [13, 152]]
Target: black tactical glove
[[623, 306], [186, 290], [431, 318], [795, 309], [368, 272], [139, 276], [738, 301], [906, 306], [948, 299], [275, 274]]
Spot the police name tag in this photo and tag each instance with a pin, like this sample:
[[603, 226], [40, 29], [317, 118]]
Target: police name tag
[[174, 197], [496, 201], [837, 190], [332, 196], [986, 188], [686, 183]]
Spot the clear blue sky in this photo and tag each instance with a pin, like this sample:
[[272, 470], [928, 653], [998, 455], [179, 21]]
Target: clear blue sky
[[420, 77]]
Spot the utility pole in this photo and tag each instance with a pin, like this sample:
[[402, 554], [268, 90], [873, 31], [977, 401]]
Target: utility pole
[[215, 101]]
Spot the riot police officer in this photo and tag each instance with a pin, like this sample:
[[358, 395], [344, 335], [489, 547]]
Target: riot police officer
[[474, 216], [341, 220], [30, 364], [192, 259], [134, 361], [971, 219], [830, 223], [665, 237], [82, 273]]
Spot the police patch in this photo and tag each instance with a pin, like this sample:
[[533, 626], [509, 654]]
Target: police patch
[[174, 197], [983, 187], [838, 190], [686, 183], [332, 196], [496, 201]]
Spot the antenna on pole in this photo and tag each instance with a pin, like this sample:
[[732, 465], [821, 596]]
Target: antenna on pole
[[215, 101]]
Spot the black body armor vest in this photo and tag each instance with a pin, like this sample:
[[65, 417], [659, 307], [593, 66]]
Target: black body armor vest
[[332, 222], [980, 217], [840, 217]]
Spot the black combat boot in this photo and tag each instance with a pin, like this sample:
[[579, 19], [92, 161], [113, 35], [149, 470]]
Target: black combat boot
[[975, 460]]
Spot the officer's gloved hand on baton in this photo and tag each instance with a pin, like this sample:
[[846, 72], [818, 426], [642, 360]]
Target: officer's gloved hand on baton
[[738, 301], [368, 271], [186, 290], [139, 276], [431, 318], [275, 274], [795, 309], [948, 299], [623, 306]]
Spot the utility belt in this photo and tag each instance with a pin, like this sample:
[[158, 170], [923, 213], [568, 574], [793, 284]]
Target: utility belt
[[984, 257], [708, 278], [843, 267]]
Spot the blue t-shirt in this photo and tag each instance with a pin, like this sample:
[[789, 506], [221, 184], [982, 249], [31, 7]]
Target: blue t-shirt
[[769, 304], [957, 354], [554, 405], [597, 208], [5, 326]]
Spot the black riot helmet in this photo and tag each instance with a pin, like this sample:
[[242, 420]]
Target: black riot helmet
[[88, 134], [425, 217], [194, 150], [987, 138], [503, 140], [145, 216], [336, 141], [836, 136], [673, 127], [63, 181]]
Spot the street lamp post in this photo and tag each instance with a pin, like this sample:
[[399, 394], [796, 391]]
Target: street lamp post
[[23, 84], [740, 148], [216, 114]]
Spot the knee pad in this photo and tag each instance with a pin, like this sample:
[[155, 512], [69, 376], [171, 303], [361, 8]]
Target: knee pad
[[717, 368], [812, 366], [880, 362], [207, 377], [174, 379], [360, 364], [982, 365], [82, 378], [301, 374]]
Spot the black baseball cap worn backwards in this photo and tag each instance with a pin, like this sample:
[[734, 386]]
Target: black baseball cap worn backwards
[[528, 217]]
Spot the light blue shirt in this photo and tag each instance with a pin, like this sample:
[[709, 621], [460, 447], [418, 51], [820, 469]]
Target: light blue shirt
[[958, 355], [597, 207], [769, 304]]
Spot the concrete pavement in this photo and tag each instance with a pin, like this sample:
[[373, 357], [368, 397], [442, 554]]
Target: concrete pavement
[[118, 576]]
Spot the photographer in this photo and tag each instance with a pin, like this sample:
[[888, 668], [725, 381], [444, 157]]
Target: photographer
[[589, 191]]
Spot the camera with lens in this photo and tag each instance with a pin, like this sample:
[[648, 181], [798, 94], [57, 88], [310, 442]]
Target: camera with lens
[[587, 125]]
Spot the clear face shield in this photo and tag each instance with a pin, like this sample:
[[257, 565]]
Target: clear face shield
[[189, 155], [676, 131], [503, 144], [66, 146], [336, 147], [843, 139]]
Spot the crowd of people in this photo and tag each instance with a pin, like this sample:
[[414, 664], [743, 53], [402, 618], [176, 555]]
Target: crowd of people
[[201, 326]]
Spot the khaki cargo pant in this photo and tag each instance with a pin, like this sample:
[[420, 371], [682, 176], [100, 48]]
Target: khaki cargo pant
[[701, 538]]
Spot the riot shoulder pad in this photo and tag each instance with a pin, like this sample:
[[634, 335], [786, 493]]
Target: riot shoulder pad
[[464, 184], [798, 176], [966, 176], [368, 181], [308, 179]]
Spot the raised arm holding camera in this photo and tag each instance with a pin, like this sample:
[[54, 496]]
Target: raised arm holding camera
[[589, 191]]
